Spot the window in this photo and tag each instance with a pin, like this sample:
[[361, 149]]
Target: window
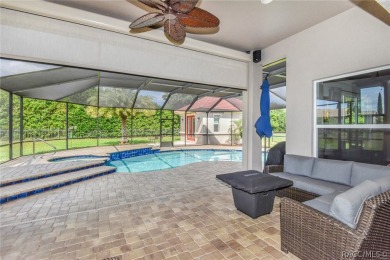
[[353, 117], [216, 122]]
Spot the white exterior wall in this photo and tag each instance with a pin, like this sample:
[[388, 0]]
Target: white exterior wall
[[222, 136], [348, 42]]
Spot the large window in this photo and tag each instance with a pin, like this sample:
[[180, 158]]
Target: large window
[[353, 117], [216, 123]]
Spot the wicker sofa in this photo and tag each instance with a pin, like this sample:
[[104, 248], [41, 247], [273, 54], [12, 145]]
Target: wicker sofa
[[310, 231]]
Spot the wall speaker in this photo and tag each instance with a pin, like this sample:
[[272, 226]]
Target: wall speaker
[[257, 56]]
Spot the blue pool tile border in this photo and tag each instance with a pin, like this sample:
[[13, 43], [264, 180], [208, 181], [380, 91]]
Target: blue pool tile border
[[58, 185], [52, 174], [116, 156]]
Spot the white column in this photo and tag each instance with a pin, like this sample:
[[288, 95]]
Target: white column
[[252, 157]]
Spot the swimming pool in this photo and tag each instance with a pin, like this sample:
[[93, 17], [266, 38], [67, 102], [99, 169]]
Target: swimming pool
[[173, 159]]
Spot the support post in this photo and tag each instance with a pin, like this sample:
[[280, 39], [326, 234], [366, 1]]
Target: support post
[[207, 127], [252, 158], [67, 126], [97, 115], [161, 138], [173, 126], [231, 128], [185, 128], [10, 122], [131, 127], [21, 127]]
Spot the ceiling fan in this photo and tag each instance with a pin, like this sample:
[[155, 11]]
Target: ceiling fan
[[176, 15]]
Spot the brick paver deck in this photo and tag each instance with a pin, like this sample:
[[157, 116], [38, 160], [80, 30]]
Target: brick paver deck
[[181, 213]]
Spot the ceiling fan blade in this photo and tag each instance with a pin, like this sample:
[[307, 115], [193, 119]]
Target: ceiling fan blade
[[156, 4], [175, 29], [199, 18], [182, 6], [147, 20]]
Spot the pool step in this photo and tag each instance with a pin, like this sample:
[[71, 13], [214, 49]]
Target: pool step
[[21, 190], [47, 173]]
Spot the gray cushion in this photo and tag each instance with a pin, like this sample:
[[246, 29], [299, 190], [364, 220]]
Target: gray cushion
[[328, 198], [318, 205], [346, 207], [319, 187], [384, 183], [296, 164], [323, 203], [363, 171], [332, 170]]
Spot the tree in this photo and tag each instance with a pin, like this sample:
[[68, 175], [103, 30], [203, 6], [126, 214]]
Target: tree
[[4, 106], [42, 117], [236, 131], [380, 108], [118, 102], [278, 120]]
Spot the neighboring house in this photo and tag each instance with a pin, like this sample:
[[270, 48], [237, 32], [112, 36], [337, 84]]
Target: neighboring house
[[210, 120]]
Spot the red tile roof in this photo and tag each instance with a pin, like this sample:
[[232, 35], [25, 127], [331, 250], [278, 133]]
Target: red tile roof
[[204, 104]]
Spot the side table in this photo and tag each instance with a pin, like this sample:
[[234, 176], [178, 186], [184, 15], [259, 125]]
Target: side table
[[253, 191]]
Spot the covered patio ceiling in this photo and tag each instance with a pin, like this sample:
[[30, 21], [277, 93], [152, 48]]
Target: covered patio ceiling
[[107, 89]]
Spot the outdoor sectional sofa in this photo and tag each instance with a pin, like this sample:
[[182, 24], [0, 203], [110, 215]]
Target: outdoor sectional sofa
[[335, 209]]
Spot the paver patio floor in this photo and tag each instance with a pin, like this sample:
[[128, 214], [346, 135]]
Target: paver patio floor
[[181, 213]]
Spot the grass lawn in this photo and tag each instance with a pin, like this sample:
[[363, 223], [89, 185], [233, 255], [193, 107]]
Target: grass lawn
[[276, 138], [41, 147]]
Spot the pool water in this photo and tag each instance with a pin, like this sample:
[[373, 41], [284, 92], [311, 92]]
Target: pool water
[[173, 159]]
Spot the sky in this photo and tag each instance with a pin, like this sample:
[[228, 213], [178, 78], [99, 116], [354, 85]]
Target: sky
[[368, 100], [12, 67]]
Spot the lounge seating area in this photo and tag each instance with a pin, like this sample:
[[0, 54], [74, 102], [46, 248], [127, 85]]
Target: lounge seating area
[[335, 209]]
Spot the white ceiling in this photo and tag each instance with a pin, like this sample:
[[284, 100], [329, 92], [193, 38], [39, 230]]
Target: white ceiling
[[245, 25]]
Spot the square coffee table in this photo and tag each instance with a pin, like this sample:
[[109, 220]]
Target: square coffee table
[[253, 191]]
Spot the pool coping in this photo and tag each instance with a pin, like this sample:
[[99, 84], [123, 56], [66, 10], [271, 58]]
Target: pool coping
[[91, 156], [59, 183], [41, 175]]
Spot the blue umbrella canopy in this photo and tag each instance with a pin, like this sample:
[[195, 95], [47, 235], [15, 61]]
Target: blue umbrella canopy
[[263, 124]]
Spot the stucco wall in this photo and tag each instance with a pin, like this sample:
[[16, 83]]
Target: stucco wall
[[348, 42], [222, 137]]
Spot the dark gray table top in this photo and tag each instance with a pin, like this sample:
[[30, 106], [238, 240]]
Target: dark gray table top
[[253, 181]]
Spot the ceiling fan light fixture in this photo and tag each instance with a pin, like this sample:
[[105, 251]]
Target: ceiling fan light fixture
[[176, 16], [265, 2]]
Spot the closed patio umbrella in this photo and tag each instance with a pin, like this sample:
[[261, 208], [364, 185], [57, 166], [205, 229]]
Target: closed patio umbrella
[[263, 124]]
